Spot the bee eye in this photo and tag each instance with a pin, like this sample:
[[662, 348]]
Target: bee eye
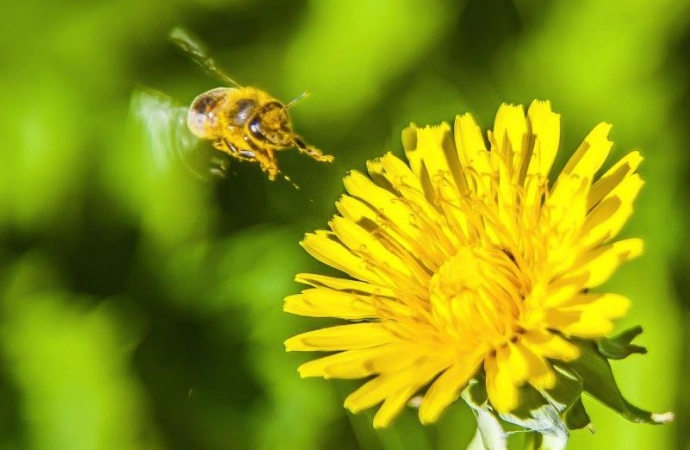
[[255, 128]]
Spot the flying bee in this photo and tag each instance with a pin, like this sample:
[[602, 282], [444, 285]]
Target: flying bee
[[241, 121]]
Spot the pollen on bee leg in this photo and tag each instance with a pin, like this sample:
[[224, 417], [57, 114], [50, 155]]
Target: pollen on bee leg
[[289, 180], [312, 152]]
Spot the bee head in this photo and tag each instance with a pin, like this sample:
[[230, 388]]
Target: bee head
[[272, 123]]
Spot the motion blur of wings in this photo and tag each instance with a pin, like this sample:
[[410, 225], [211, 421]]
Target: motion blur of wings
[[164, 126]]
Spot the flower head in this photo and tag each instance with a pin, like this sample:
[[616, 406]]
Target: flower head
[[469, 264]]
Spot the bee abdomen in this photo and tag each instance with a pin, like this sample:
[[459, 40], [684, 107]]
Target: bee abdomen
[[202, 118]]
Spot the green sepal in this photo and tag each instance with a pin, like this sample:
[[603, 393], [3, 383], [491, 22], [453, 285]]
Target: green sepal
[[576, 417], [567, 390], [619, 346], [553, 412], [490, 430], [594, 370], [535, 414]]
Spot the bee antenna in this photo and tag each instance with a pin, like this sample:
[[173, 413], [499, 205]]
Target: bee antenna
[[303, 95], [194, 47]]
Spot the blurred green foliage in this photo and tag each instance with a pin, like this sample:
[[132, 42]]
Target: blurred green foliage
[[141, 309]]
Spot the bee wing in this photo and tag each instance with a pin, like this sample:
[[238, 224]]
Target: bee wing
[[164, 127]]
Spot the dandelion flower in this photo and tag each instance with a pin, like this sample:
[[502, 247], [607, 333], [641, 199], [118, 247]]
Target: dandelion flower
[[468, 264]]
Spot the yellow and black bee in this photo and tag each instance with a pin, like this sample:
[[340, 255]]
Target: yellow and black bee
[[245, 122]]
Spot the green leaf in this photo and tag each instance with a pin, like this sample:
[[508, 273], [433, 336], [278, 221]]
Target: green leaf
[[598, 381], [619, 347]]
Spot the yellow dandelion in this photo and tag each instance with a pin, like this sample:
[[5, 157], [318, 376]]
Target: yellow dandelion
[[468, 261]]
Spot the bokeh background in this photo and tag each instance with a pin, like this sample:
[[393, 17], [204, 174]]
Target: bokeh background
[[140, 307]]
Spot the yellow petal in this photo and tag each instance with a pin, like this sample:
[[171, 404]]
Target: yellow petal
[[560, 291], [511, 138], [358, 212], [511, 358], [398, 173], [384, 202], [591, 154], [564, 212], [609, 216], [447, 388], [363, 362], [472, 153], [345, 365], [589, 315], [324, 302], [540, 374], [409, 140], [546, 129], [550, 345], [342, 284], [589, 326], [389, 384], [392, 406], [364, 244], [613, 177], [433, 156], [606, 304], [502, 392], [343, 337], [325, 247], [597, 266]]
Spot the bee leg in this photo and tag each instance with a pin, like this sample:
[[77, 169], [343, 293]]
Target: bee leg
[[220, 167], [268, 164], [310, 151], [232, 150], [265, 158]]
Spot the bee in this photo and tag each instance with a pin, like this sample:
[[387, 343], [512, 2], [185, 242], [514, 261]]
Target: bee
[[244, 122]]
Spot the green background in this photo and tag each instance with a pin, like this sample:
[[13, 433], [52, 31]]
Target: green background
[[140, 308]]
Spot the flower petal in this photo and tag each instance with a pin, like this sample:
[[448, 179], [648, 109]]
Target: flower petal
[[597, 266], [343, 337], [511, 140], [609, 216], [591, 154], [550, 345], [502, 392], [323, 246], [613, 177], [472, 153], [546, 129], [342, 284], [363, 362], [407, 381], [447, 388], [331, 303]]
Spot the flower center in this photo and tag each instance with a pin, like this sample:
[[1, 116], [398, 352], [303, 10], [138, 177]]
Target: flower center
[[477, 296]]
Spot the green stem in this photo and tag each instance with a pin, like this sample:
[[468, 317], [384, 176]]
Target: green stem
[[533, 441]]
